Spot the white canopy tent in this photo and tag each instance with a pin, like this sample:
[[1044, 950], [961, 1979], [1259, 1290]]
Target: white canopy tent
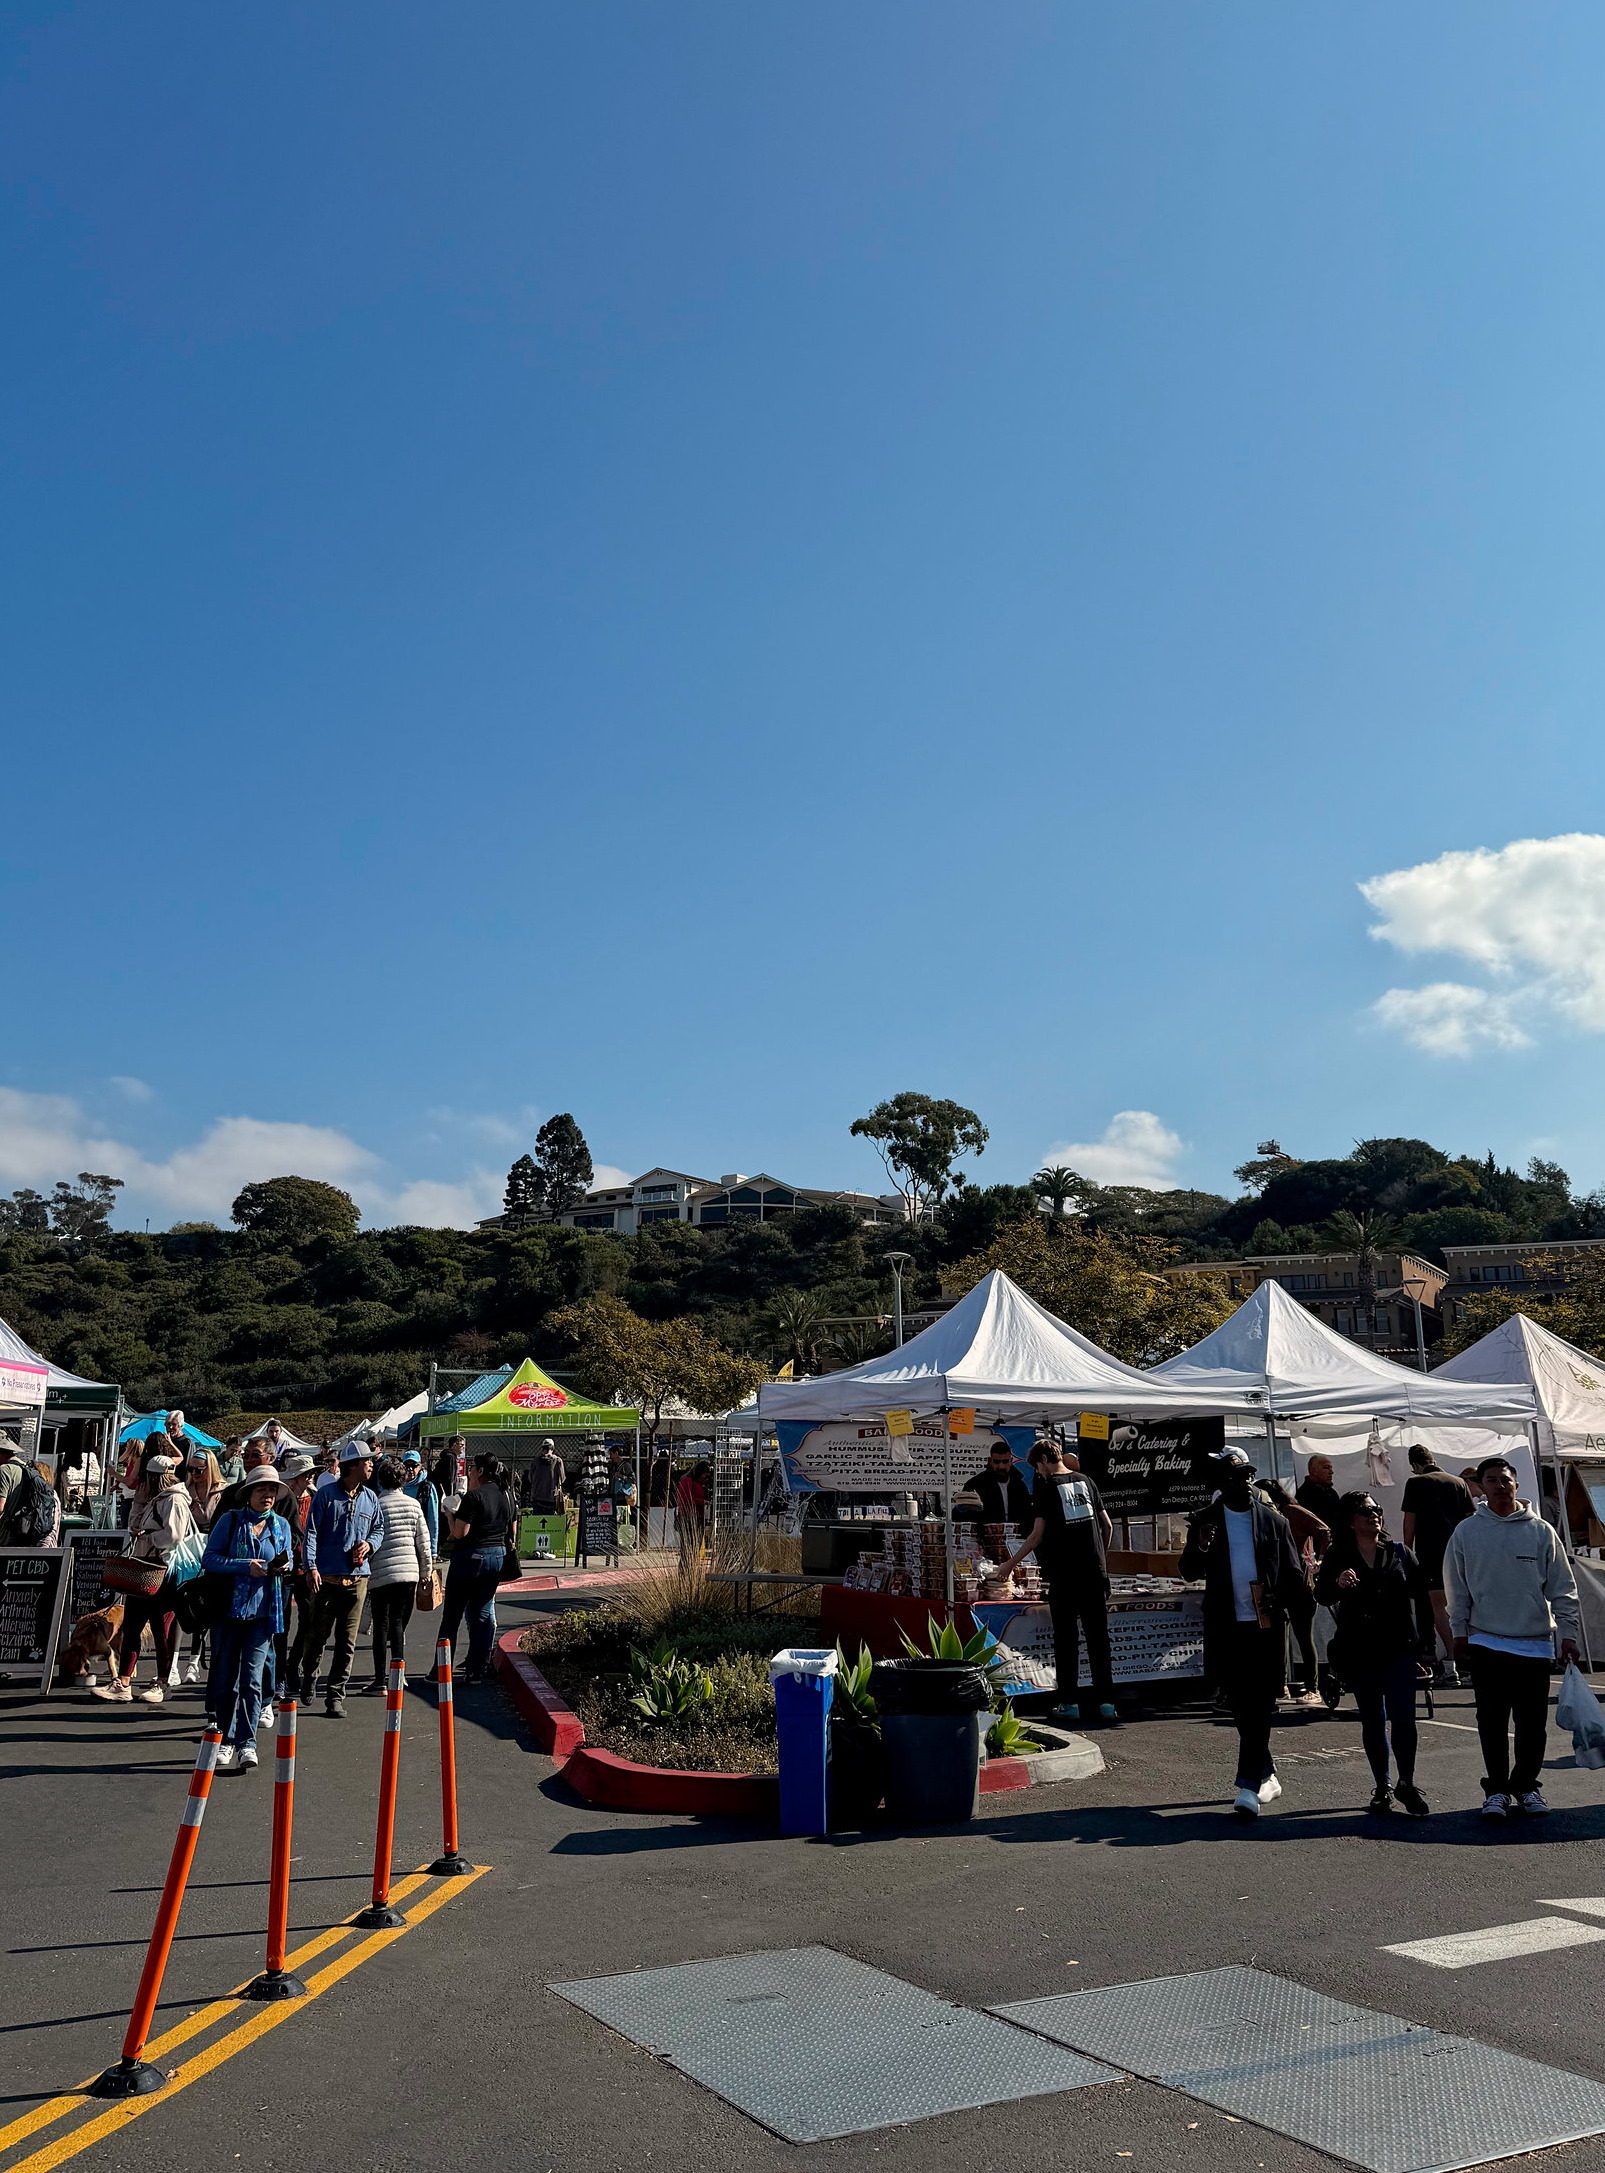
[[999, 1352], [386, 1426], [287, 1439], [1287, 1363], [1568, 1385]]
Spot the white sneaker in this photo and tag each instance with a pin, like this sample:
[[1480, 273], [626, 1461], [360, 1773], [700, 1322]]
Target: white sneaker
[[1246, 1803], [114, 1692], [1495, 1805], [152, 1696], [1269, 1789], [266, 1721], [245, 1757], [173, 1677], [192, 1674], [1532, 1803], [224, 1762]]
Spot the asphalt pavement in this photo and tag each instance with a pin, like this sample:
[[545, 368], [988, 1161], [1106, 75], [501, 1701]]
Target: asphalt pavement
[[445, 2048]]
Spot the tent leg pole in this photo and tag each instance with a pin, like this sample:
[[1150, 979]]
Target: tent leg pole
[[1270, 1445], [1564, 1529], [947, 1508]]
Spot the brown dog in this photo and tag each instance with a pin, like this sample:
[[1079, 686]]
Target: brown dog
[[93, 1637]]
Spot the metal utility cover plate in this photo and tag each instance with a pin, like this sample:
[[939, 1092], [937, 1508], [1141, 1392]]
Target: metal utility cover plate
[[812, 2044], [1387, 2095]]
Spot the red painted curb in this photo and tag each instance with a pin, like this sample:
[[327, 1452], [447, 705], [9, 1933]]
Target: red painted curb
[[620, 1786], [554, 1727], [1001, 1774]]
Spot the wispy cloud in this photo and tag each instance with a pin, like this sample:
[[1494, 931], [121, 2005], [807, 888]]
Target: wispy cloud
[[1135, 1149], [1531, 915], [46, 1136], [133, 1090]]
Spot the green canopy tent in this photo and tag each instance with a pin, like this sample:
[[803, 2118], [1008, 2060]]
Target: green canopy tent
[[80, 1419], [524, 1401]]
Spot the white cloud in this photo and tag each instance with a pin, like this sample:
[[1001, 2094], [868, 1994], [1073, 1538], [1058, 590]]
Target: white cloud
[[1531, 914], [490, 1126], [1448, 1018], [45, 1136], [1136, 1149], [604, 1177], [134, 1090]]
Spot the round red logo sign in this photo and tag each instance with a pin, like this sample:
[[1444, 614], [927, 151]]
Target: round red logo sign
[[531, 1396]]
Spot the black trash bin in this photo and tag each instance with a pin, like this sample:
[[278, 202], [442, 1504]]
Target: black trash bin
[[931, 1714]]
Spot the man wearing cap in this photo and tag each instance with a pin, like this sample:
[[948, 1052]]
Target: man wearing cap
[[1243, 1551], [344, 1526], [417, 1488]]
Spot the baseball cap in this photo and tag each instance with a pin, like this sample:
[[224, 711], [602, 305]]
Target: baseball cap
[[1231, 1459], [412, 1457], [355, 1452], [162, 1463]]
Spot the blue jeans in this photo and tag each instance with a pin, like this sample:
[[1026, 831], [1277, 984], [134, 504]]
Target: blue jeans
[[234, 1687], [471, 1579]]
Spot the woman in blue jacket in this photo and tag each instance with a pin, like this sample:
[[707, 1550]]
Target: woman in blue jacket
[[253, 1549]]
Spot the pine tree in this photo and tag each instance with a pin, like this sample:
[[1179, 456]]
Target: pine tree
[[563, 1166], [522, 1199]]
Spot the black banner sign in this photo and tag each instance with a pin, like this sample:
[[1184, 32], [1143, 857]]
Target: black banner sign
[[1157, 1470], [90, 1552]]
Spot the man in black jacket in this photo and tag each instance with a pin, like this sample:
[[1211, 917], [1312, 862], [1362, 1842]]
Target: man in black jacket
[[1243, 1550], [1004, 1496]]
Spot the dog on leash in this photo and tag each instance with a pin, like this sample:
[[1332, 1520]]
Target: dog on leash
[[93, 1637]]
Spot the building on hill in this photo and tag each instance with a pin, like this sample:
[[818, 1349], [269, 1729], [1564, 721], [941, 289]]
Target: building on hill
[[1537, 1267], [1327, 1283], [668, 1195]]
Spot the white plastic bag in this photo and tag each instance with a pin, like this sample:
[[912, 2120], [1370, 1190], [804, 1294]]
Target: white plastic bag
[[1577, 1708]]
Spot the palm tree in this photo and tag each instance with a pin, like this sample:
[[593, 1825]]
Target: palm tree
[[856, 1340], [1055, 1188], [797, 1315], [1365, 1232]]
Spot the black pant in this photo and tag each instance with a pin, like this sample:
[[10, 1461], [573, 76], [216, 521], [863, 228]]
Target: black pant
[[389, 1611], [1508, 1688], [336, 1608], [1079, 1607], [1250, 1676], [152, 1610], [1386, 1696]]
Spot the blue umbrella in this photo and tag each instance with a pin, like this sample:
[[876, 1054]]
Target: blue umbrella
[[141, 1429]]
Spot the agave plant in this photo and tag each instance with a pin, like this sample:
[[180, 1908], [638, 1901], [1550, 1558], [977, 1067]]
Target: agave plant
[[945, 1643], [670, 1688], [852, 1683], [1008, 1736]]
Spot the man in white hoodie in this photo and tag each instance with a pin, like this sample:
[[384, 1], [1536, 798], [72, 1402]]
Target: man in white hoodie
[[1509, 1587]]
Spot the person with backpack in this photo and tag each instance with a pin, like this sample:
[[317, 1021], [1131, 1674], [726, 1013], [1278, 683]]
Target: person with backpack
[[166, 1522], [401, 1562], [249, 1553], [29, 1510]]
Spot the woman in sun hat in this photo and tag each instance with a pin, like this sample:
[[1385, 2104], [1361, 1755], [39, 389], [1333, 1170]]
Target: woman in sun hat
[[253, 1547]]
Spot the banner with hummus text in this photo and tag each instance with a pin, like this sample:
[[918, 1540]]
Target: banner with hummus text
[[859, 1456]]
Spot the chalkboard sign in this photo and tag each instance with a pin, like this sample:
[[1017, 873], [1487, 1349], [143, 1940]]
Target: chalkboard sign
[[30, 1588], [599, 1528], [90, 1553]]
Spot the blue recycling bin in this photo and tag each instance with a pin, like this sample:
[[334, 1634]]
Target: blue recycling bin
[[803, 1679]]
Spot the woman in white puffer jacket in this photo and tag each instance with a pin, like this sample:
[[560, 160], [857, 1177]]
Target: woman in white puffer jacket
[[399, 1565]]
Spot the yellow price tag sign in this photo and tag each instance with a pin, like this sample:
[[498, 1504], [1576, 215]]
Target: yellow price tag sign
[[1093, 1425], [961, 1422], [899, 1422]]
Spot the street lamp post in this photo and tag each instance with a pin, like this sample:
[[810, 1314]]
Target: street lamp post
[[897, 1262], [1415, 1289]]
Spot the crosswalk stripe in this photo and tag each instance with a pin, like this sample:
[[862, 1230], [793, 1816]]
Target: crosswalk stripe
[[1498, 1942]]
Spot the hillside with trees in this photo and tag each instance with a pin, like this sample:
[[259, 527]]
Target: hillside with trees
[[296, 1307]]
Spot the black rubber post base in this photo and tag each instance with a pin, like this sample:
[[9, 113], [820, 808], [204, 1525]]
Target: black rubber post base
[[380, 1918], [275, 1984], [128, 2079], [454, 1866]]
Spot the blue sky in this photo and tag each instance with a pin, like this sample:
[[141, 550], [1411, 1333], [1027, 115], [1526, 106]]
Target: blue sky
[[705, 565]]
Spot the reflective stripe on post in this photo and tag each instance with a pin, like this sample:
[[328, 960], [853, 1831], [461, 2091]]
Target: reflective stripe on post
[[131, 2077]]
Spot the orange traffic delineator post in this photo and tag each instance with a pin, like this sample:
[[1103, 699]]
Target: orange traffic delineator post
[[379, 1916], [450, 1863], [133, 2077], [277, 1982]]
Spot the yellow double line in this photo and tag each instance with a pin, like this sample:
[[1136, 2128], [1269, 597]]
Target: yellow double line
[[261, 2020]]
